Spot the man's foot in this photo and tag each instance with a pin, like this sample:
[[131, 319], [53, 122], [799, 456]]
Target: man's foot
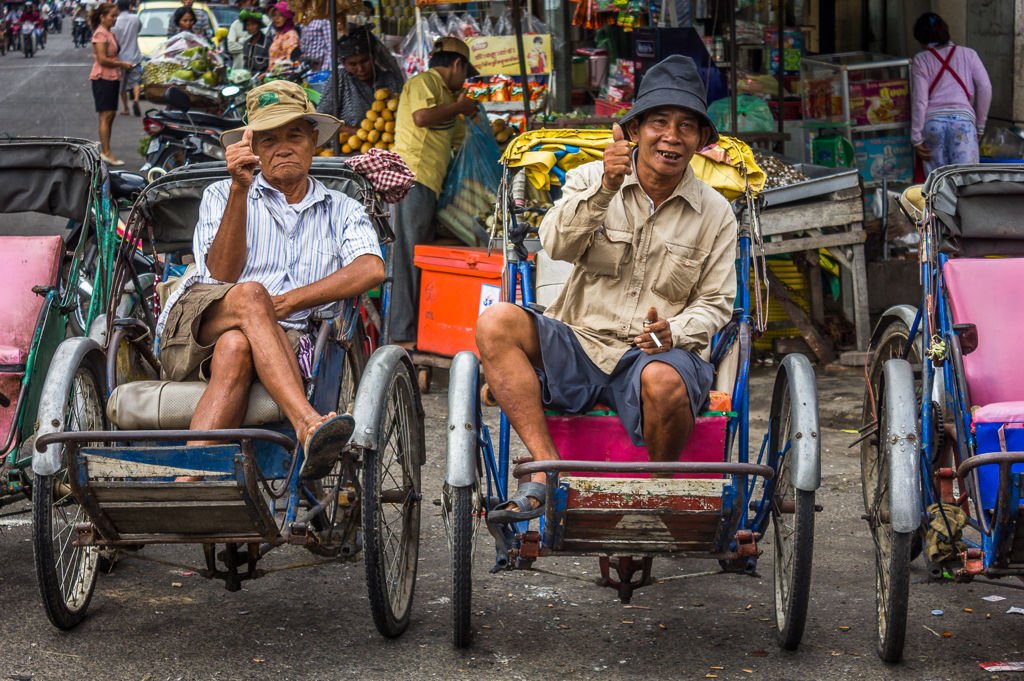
[[126, 112], [135, 109], [111, 161], [323, 444], [527, 503]]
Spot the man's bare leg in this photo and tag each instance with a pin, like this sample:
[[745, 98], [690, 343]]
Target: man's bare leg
[[668, 419], [226, 398], [247, 308], [509, 347]]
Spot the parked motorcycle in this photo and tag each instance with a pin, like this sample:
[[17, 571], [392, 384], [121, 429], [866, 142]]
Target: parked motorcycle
[[179, 136]]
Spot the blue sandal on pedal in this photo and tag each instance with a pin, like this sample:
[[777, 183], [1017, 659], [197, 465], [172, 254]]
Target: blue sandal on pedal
[[501, 514]]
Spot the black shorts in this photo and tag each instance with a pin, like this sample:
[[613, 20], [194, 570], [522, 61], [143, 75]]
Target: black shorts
[[105, 92], [572, 383]]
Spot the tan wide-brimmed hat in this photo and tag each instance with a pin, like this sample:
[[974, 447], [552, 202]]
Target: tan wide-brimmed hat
[[278, 103]]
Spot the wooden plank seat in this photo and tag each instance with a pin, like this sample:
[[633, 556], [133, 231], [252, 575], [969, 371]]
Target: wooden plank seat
[[629, 512]]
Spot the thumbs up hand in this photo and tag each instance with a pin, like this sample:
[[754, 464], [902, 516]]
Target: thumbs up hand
[[618, 160]]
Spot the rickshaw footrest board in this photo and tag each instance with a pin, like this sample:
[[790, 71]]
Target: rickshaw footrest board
[[652, 515], [156, 506]]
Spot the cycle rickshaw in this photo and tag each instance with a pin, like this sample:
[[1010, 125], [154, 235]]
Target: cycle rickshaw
[[57, 278], [112, 444], [944, 404], [716, 502]]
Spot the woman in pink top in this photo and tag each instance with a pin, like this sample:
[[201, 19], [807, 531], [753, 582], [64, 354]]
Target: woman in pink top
[[286, 38], [106, 74], [951, 94]]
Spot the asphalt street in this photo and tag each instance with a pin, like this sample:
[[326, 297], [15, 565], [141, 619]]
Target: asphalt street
[[154, 618]]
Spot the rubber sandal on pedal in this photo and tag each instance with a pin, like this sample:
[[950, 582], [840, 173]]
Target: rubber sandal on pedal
[[502, 514], [323, 446]]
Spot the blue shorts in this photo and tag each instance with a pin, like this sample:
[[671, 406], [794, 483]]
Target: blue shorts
[[572, 383]]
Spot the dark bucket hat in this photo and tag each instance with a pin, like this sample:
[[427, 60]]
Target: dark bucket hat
[[674, 81]]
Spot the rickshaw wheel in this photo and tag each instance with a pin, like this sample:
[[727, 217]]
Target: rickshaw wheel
[[891, 345], [892, 549], [66, 573], [335, 524], [391, 503], [457, 508], [792, 515]]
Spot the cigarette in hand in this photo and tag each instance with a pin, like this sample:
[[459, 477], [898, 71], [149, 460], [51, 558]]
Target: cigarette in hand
[[657, 343]]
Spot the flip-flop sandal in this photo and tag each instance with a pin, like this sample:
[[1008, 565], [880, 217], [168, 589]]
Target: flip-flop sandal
[[501, 513], [323, 446]]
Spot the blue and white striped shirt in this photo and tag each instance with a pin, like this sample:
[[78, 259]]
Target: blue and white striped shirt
[[289, 245]]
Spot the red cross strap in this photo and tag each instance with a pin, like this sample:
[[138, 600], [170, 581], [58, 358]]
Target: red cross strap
[[944, 68]]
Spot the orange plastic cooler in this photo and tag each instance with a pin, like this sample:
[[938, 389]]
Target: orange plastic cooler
[[457, 285]]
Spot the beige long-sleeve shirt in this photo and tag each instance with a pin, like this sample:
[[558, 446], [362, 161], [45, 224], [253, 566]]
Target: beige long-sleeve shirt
[[628, 257]]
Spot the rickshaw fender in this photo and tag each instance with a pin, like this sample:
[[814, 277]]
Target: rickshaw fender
[[98, 330], [904, 313], [463, 425], [372, 383], [806, 443], [902, 446], [71, 354]]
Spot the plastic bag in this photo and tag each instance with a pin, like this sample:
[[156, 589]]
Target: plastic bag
[[416, 46], [752, 113], [185, 59], [471, 186], [463, 26]]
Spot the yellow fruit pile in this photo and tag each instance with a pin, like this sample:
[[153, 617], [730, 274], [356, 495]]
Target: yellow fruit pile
[[377, 129]]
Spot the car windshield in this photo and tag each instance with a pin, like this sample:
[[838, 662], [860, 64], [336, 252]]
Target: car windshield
[[225, 14], [155, 20]]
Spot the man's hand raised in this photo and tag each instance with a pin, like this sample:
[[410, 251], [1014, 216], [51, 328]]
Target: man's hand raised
[[618, 160], [242, 162]]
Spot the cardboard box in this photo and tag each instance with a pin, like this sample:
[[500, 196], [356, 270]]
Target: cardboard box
[[888, 156]]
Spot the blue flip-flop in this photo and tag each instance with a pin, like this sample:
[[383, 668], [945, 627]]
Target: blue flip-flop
[[323, 447]]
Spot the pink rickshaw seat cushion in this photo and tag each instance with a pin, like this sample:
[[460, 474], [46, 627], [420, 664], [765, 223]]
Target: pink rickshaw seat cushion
[[25, 262], [987, 292]]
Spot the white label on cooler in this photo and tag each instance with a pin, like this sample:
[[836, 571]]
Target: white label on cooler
[[489, 295]]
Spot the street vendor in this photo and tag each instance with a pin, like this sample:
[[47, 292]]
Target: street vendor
[[654, 251], [368, 67], [272, 246], [428, 126]]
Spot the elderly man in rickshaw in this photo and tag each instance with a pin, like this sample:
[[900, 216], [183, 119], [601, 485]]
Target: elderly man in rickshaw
[[272, 246], [654, 251]]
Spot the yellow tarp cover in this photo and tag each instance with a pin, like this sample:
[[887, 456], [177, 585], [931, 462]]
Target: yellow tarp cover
[[728, 165]]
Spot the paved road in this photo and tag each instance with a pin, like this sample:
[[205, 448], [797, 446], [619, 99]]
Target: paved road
[[313, 623]]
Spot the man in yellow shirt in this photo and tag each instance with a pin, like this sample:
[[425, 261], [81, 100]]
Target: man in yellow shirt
[[428, 126]]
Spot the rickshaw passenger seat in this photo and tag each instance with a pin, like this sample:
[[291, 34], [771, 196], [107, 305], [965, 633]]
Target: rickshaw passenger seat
[[169, 405], [26, 261], [979, 292]]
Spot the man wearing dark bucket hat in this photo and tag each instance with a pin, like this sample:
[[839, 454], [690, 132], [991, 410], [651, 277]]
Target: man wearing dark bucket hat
[[272, 246], [654, 279]]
